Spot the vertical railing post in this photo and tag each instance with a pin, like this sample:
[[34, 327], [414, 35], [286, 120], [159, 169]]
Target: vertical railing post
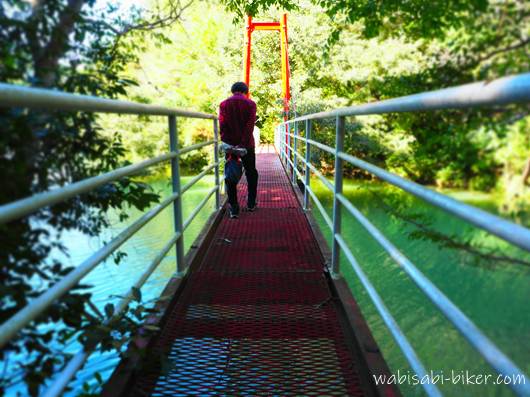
[[286, 128], [287, 143], [277, 141], [307, 174], [339, 147], [295, 149], [281, 134], [175, 182], [216, 162], [289, 146]]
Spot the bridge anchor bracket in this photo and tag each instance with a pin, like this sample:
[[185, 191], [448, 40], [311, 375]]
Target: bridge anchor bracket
[[335, 276], [180, 274]]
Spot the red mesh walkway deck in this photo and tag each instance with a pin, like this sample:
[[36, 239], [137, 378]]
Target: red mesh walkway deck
[[256, 317]]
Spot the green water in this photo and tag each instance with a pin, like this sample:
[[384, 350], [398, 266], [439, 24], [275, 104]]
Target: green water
[[494, 295], [109, 279]]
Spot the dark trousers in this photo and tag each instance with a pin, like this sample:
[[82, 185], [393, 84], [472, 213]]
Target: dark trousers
[[249, 164]]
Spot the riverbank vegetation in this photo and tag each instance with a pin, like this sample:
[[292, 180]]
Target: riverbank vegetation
[[342, 53]]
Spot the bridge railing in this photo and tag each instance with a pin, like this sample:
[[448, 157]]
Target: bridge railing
[[48, 100], [508, 90]]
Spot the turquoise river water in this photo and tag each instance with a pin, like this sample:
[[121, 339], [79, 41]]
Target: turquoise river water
[[494, 295]]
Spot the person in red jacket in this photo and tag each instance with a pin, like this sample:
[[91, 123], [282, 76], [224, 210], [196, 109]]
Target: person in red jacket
[[237, 116]]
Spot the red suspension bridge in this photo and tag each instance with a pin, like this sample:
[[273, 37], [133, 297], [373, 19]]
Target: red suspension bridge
[[258, 305]]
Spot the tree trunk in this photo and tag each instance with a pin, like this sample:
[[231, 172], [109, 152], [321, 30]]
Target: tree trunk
[[46, 60]]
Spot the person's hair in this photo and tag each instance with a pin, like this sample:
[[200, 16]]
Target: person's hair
[[239, 87]]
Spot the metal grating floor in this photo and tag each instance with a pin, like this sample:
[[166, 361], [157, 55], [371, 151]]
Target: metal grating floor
[[256, 318]]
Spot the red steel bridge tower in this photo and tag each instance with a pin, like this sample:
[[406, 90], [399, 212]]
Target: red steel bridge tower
[[280, 27]]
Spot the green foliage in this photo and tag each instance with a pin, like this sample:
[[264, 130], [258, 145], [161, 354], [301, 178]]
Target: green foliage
[[450, 148], [417, 18], [348, 52], [242, 8], [194, 162], [71, 46], [193, 69]]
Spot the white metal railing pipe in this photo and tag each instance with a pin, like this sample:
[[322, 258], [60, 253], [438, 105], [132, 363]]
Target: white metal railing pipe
[[296, 170], [35, 98], [476, 338], [512, 89], [58, 387], [39, 98], [390, 322], [175, 185], [319, 145], [196, 146], [320, 207], [199, 207], [299, 173], [283, 149], [506, 90], [288, 144], [319, 175], [295, 152], [311, 193], [28, 205], [198, 177], [289, 161], [9, 328], [63, 378], [506, 230], [282, 145], [337, 209], [122, 305], [307, 162], [217, 163]]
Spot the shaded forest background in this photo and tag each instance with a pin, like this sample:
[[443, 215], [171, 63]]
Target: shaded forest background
[[338, 62]]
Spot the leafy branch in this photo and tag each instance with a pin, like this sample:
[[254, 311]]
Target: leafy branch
[[162, 17]]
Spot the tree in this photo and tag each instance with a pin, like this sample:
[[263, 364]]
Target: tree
[[440, 45], [416, 18], [72, 46]]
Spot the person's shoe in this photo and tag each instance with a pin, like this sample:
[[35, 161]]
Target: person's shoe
[[252, 208], [234, 214]]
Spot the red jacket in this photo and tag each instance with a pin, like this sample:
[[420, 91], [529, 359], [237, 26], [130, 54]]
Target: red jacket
[[237, 116]]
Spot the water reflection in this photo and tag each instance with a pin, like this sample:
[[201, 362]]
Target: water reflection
[[110, 280], [494, 295]]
